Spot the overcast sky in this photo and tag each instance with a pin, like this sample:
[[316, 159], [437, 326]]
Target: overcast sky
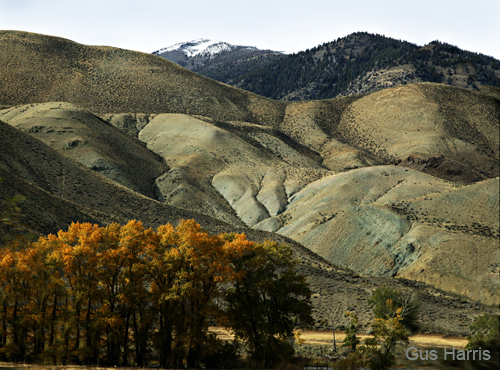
[[148, 25]]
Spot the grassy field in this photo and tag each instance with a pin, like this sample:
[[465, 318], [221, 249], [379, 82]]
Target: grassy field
[[419, 340], [315, 337]]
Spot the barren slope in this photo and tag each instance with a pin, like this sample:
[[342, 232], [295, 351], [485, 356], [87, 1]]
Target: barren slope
[[234, 172], [464, 223], [390, 221]]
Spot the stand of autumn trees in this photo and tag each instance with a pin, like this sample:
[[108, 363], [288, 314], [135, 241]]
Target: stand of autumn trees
[[124, 295]]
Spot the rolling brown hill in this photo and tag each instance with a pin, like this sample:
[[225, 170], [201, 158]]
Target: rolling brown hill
[[110, 80], [362, 180], [445, 131]]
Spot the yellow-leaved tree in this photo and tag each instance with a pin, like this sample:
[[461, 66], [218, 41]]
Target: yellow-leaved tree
[[126, 294]]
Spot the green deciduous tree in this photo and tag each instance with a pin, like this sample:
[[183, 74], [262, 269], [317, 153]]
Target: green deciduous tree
[[485, 330], [387, 334], [485, 335], [269, 300]]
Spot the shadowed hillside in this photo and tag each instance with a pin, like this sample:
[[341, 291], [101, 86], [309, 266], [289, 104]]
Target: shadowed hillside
[[87, 139]]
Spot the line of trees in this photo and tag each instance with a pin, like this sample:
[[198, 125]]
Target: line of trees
[[122, 295]]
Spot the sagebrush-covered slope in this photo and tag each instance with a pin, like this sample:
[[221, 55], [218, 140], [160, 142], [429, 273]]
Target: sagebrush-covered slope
[[111, 80]]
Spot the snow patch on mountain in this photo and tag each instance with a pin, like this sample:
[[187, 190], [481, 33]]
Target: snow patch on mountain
[[202, 47]]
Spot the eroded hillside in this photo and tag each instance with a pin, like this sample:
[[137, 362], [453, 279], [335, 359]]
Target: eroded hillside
[[334, 175], [33, 170], [398, 183]]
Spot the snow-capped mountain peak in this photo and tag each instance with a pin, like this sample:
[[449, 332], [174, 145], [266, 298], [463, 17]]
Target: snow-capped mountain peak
[[202, 47]]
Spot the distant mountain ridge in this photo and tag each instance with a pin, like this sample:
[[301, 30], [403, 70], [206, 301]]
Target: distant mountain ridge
[[358, 63], [219, 60]]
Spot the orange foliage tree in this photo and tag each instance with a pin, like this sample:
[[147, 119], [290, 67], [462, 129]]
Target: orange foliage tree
[[122, 295]]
